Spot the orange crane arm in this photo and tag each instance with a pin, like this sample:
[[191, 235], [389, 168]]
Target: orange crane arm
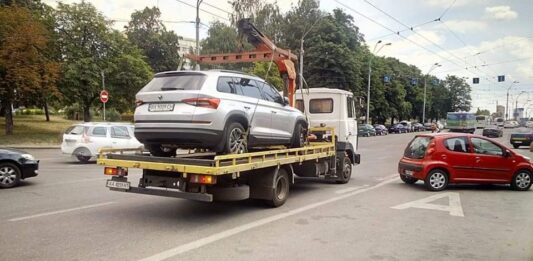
[[265, 50]]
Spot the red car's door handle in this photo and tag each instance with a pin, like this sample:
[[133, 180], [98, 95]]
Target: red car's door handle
[[478, 159], [444, 157]]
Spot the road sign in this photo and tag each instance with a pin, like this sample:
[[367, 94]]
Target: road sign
[[104, 96]]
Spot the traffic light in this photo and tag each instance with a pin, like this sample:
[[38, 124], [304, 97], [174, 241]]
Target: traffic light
[[501, 78], [475, 80]]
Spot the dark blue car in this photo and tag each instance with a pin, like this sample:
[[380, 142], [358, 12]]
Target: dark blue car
[[398, 128]]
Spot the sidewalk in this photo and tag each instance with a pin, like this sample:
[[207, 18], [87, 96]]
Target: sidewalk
[[32, 146]]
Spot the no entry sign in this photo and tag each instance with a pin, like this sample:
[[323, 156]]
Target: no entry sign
[[104, 96]]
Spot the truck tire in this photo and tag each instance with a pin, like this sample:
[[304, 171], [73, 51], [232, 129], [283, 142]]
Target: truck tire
[[281, 189], [516, 146], [346, 171]]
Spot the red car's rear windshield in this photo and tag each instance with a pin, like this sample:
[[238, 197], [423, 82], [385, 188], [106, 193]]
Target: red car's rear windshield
[[417, 147]]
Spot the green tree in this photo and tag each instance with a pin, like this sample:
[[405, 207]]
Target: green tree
[[22, 37], [84, 42], [460, 99], [148, 33], [482, 112]]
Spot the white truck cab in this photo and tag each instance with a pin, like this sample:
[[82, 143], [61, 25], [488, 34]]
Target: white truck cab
[[332, 108]]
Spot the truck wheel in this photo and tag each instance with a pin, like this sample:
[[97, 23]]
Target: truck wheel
[[158, 151], [236, 142], [281, 189], [346, 173], [298, 136], [516, 146], [9, 175]]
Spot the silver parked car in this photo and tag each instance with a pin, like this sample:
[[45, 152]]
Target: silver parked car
[[224, 111]]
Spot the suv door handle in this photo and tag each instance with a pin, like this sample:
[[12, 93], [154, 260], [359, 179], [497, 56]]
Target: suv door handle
[[246, 107], [274, 112]]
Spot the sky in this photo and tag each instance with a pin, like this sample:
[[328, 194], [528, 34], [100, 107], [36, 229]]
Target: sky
[[468, 38]]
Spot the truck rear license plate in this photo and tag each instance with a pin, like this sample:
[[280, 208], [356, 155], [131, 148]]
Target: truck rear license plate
[[118, 184], [157, 107]]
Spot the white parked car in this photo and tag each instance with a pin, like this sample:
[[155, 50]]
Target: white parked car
[[511, 124], [529, 124], [85, 139]]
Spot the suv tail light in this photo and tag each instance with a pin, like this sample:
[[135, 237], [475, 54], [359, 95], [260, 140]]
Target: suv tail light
[[203, 102], [138, 102]]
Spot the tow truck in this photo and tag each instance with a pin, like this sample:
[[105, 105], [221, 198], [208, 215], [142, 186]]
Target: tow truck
[[264, 174]]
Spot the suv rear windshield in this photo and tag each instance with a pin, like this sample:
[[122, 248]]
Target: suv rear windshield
[[175, 82], [417, 147]]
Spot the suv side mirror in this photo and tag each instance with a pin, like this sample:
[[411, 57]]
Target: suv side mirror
[[285, 100]]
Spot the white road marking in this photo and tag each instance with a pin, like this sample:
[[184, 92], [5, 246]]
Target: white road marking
[[454, 207], [236, 230], [387, 177], [60, 211], [74, 181], [350, 189]]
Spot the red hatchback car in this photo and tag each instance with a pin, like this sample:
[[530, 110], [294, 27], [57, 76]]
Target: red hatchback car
[[442, 158]]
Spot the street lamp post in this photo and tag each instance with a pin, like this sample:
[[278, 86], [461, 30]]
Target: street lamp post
[[425, 90], [507, 103], [369, 75], [516, 104]]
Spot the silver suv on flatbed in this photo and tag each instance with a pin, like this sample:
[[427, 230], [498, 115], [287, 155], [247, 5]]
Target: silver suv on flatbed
[[224, 111]]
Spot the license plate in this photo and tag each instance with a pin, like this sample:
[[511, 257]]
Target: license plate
[[157, 107], [408, 172], [118, 184], [518, 139]]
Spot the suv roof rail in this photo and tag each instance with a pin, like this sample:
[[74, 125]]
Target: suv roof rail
[[231, 71]]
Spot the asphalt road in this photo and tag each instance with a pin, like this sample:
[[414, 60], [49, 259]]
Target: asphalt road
[[66, 213]]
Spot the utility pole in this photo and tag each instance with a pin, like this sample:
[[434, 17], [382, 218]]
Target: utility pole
[[369, 79], [103, 87], [198, 2], [425, 88], [507, 103]]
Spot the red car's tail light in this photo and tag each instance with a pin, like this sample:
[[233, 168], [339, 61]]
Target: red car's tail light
[[203, 102]]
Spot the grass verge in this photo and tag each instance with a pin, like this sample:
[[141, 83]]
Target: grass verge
[[34, 130]]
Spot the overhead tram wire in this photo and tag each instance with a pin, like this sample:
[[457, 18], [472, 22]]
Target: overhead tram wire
[[401, 31], [422, 36], [215, 7], [447, 9], [403, 37], [203, 10]]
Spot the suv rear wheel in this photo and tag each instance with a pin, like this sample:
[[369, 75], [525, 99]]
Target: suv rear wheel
[[160, 151], [235, 139]]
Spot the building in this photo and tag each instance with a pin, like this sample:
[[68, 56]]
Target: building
[[500, 111], [187, 45]]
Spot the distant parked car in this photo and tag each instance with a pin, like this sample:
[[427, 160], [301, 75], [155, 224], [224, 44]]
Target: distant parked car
[[381, 129], [366, 130], [84, 140], [521, 139], [407, 125], [509, 125], [418, 127], [16, 165], [493, 132], [441, 159], [427, 126], [398, 128], [529, 124]]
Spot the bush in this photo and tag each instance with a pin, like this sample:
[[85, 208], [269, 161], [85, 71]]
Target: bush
[[112, 115], [127, 117], [29, 111]]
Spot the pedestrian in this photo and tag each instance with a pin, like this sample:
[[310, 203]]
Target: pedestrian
[[433, 127]]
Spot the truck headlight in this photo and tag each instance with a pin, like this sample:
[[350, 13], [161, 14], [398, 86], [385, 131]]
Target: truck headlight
[[27, 157]]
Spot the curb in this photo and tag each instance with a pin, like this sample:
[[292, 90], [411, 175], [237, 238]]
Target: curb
[[32, 147]]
